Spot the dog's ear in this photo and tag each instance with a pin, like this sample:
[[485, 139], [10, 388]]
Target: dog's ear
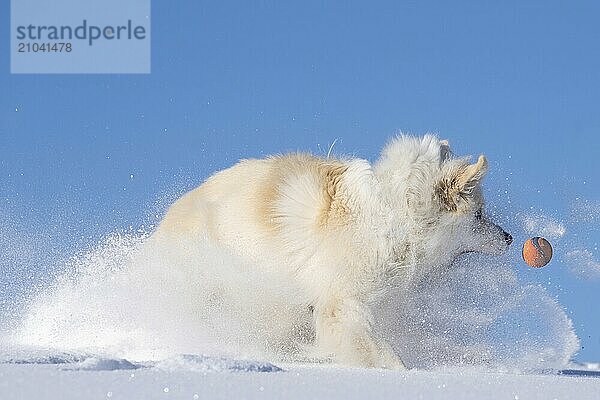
[[459, 182], [444, 150], [473, 174]]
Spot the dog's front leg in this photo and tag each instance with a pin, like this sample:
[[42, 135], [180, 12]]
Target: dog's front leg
[[343, 328]]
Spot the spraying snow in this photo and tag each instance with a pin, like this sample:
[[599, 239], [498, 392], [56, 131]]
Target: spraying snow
[[131, 298]]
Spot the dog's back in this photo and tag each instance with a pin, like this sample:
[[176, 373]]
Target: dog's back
[[282, 206]]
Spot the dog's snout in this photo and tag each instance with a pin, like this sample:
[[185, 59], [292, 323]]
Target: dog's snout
[[507, 238]]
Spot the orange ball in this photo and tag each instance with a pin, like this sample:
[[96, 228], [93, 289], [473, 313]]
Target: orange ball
[[537, 252]]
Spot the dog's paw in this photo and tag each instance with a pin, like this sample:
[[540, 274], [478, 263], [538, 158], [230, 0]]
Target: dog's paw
[[393, 363], [389, 360]]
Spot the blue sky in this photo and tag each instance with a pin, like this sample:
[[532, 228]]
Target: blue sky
[[83, 155]]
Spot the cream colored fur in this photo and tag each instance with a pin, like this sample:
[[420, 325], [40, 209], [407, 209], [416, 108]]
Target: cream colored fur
[[340, 230]]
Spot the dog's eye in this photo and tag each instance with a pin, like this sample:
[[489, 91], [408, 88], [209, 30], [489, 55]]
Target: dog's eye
[[479, 214]]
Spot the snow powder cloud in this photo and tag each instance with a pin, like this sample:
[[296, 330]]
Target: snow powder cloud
[[541, 225], [585, 210], [583, 264]]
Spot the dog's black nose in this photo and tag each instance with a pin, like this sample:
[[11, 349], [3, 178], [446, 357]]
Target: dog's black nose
[[507, 238]]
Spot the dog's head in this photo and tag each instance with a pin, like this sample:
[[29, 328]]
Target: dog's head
[[440, 197]]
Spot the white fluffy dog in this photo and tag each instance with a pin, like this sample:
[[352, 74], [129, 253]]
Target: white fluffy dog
[[339, 230]]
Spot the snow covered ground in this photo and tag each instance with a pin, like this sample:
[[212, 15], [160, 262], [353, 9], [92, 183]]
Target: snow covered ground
[[191, 377]]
